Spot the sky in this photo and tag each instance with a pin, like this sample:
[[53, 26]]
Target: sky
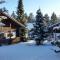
[[46, 6]]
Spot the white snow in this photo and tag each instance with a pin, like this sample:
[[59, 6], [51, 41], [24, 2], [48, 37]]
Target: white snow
[[45, 42], [30, 41], [57, 27], [2, 24], [23, 51]]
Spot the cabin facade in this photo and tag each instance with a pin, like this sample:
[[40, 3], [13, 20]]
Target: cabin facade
[[10, 25]]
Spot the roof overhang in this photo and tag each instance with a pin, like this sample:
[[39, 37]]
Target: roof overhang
[[11, 18]]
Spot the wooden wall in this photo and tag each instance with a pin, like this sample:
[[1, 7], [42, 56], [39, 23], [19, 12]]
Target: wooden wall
[[6, 29]]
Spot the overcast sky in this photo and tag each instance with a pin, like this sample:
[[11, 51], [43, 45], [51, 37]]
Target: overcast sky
[[46, 6]]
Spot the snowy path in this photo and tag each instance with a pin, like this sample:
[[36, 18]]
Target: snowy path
[[23, 51]]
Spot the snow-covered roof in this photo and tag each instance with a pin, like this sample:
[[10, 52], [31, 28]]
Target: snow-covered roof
[[54, 25], [57, 27], [2, 24]]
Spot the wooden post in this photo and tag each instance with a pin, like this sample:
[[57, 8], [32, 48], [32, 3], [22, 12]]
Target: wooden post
[[10, 26], [55, 34], [2, 28]]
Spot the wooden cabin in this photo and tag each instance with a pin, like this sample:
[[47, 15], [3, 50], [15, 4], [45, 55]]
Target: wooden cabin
[[10, 25]]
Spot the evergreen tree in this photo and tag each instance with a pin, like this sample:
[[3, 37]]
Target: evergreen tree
[[26, 17], [21, 18], [31, 18], [20, 11], [53, 18], [2, 1], [13, 14], [39, 28], [4, 9], [46, 19]]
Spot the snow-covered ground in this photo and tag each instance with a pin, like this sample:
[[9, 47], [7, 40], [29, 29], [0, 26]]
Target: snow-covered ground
[[28, 51]]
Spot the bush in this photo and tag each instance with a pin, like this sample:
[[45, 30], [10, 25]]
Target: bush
[[52, 43], [57, 43]]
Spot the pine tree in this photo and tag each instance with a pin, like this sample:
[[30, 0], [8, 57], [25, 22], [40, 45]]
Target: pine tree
[[46, 19], [39, 28], [4, 9], [13, 14], [53, 18], [26, 17], [31, 18], [2, 1], [21, 18], [20, 11]]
